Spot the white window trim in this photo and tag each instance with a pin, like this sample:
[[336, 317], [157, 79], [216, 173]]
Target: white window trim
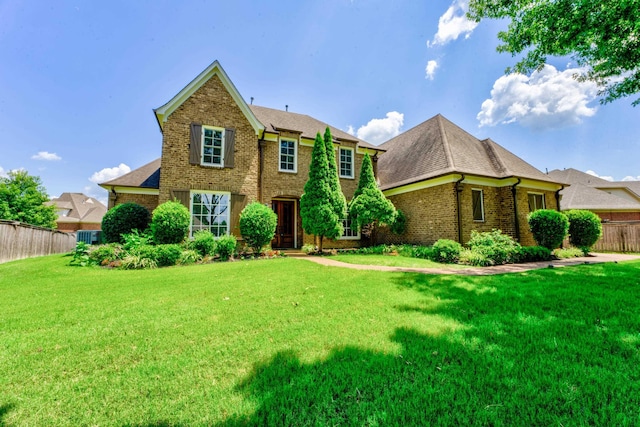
[[544, 200], [192, 192], [481, 204], [222, 147], [356, 237], [352, 162], [295, 155]]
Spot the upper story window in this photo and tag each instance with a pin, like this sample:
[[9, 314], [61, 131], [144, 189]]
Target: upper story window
[[212, 146], [536, 201], [288, 155], [346, 162], [210, 211], [478, 204]]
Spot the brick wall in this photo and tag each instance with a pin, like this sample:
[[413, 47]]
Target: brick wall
[[147, 200], [619, 216]]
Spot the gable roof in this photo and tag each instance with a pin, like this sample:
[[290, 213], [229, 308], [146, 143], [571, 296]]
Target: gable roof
[[81, 208], [594, 193], [147, 176], [215, 69], [439, 147], [276, 121]]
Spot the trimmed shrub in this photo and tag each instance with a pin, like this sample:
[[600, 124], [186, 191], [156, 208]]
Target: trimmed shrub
[[496, 247], [170, 223], [204, 242], [189, 257], [137, 262], [226, 246], [533, 254], [478, 259], [258, 226], [123, 219], [446, 251], [132, 242], [424, 252], [167, 255], [105, 254], [563, 253], [549, 227], [399, 223], [585, 228]]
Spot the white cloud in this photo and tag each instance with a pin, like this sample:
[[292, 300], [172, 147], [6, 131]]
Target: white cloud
[[606, 178], [3, 173], [97, 193], [378, 131], [108, 174], [432, 66], [351, 130], [547, 99], [45, 155], [453, 23], [631, 178]]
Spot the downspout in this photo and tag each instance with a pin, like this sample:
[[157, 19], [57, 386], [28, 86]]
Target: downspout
[[115, 196], [458, 191], [261, 144], [558, 198], [515, 209]]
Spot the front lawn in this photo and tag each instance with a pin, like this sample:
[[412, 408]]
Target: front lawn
[[289, 342], [394, 261]]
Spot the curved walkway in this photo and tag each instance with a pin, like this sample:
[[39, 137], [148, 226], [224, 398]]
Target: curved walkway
[[594, 258]]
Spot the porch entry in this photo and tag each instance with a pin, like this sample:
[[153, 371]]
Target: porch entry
[[286, 229]]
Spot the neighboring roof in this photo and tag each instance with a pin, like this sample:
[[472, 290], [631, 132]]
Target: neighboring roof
[[438, 147], [593, 193], [81, 208], [276, 121], [147, 176], [215, 69]]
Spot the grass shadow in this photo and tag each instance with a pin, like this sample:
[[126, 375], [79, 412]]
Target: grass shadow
[[4, 410]]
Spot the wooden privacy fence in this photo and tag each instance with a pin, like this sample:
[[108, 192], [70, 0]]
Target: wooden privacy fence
[[619, 237], [19, 241]]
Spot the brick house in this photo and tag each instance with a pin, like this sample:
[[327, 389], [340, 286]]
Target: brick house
[[77, 211], [219, 153], [612, 201]]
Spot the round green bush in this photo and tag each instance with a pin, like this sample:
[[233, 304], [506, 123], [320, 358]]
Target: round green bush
[[585, 228], [446, 251], [549, 227], [226, 246], [257, 225], [167, 255], [533, 254], [496, 247], [204, 242], [123, 219], [170, 223]]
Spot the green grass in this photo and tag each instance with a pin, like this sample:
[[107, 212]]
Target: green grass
[[289, 342], [393, 261]]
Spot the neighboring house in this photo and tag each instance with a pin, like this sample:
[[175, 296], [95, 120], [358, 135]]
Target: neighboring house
[[448, 183], [77, 211], [612, 201], [219, 153]]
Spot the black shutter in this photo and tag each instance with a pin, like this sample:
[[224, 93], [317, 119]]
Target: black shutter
[[238, 202], [229, 147], [183, 196], [195, 144]]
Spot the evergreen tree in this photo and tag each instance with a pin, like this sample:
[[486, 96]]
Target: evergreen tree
[[338, 201], [316, 210], [369, 206]]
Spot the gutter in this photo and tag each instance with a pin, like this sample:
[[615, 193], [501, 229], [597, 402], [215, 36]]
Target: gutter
[[458, 191], [515, 209], [558, 197], [261, 144]]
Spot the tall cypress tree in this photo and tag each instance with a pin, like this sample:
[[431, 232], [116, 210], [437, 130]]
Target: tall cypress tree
[[338, 201], [316, 210], [369, 207]]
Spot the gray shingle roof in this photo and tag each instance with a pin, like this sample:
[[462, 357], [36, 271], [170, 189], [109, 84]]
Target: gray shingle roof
[[81, 208], [275, 121], [438, 147], [147, 176]]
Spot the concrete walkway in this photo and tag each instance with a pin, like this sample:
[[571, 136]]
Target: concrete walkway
[[594, 258]]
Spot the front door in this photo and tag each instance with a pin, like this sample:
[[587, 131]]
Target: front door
[[284, 238]]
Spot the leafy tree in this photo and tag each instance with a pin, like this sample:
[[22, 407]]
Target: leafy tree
[[170, 223], [258, 226], [22, 198], [318, 215], [369, 206], [338, 201], [603, 36]]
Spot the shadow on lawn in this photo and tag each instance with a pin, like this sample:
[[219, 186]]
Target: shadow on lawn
[[4, 410], [531, 352]]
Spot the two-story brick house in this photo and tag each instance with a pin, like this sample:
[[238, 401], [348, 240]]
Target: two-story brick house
[[219, 153]]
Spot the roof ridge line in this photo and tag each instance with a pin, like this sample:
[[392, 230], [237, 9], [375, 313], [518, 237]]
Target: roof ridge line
[[494, 158], [445, 142]]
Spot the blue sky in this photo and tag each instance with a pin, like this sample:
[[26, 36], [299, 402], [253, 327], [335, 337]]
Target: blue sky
[[79, 80]]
